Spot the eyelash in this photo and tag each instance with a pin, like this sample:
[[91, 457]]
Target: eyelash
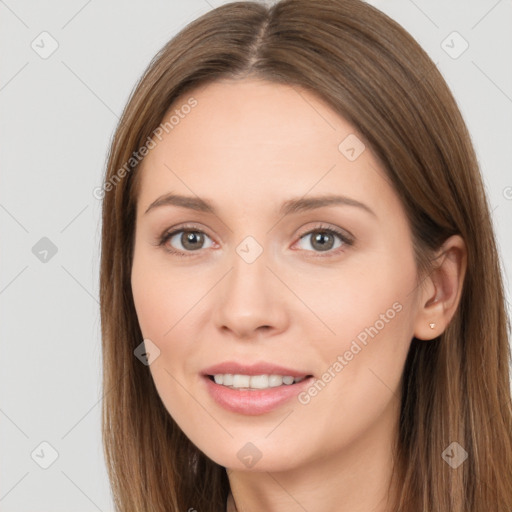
[[347, 241]]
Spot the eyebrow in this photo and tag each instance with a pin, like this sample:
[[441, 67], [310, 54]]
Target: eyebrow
[[288, 207]]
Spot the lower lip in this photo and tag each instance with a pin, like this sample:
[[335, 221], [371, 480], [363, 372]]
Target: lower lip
[[257, 401]]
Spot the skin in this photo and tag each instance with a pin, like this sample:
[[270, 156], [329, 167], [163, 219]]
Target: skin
[[247, 147]]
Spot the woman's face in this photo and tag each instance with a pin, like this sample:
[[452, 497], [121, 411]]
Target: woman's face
[[268, 274]]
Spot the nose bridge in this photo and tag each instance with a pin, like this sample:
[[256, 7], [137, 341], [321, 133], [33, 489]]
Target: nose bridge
[[248, 296], [248, 280]]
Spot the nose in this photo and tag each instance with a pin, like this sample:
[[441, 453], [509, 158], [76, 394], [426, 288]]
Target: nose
[[250, 300]]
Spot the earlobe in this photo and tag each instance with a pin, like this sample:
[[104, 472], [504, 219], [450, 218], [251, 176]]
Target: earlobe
[[440, 295]]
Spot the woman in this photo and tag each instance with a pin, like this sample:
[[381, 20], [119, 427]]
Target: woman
[[301, 299]]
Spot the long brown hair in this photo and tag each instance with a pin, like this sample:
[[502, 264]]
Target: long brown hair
[[456, 388]]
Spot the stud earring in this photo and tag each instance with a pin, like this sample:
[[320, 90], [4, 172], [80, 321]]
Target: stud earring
[[432, 325]]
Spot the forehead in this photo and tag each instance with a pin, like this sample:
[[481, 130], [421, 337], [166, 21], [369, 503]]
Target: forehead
[[254, 140], [252, 113]]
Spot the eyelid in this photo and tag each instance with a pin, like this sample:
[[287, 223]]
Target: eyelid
[[184, 227], [322, 226]]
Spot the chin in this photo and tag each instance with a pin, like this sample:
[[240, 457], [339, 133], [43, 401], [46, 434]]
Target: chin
[[254, 456]]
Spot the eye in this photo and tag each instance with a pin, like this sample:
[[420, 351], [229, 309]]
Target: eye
[[184, 240], [324, 239], [189, 239]]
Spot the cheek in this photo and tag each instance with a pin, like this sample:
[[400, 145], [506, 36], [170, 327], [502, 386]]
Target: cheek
[[162, 296], [169, 302], [362, 297], [152, 303], [358, 387], [367, 316]]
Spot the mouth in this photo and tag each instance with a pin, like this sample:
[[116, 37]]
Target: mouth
[[252, 395]]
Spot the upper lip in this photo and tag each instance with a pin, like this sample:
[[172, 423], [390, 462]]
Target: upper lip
[[260, 368]]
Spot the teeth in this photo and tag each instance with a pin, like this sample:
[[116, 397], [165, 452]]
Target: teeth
[[275, 380], [241, 381], [238, 381], [227, 379]]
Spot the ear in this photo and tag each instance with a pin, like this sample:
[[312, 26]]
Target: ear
[[441, 291]]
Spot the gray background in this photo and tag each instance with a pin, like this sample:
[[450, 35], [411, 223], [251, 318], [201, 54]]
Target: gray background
[[58, 115]]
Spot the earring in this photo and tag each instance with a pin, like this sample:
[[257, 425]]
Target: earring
[[432, 325]]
